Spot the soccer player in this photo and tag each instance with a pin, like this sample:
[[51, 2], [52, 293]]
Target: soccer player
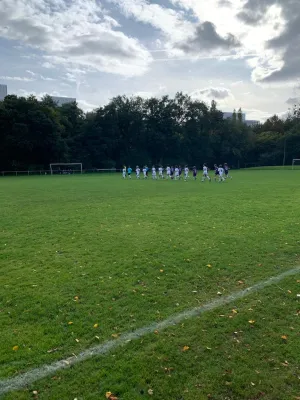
[[124, 172], [221, 173], [137, 171], [180, 171], [216, 172], [205, 173], [168, 172], [153, 172], [176, 173], [160, 172], [129, 171], [186, 173], [226, 169], [172, 172], [195, 172], [145, 172]]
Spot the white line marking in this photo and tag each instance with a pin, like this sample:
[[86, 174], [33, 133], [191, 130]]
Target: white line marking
[[33, 375]]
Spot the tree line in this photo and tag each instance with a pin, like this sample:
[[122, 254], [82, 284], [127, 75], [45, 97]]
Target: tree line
[[133, 130]]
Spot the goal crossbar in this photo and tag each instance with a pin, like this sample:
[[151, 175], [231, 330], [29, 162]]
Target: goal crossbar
[[64, 164], [294, 161]]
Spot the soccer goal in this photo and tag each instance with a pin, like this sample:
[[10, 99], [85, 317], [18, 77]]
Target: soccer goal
[[65, 168], [296, 163]]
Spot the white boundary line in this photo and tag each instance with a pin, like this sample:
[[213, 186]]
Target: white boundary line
[[33, 375]]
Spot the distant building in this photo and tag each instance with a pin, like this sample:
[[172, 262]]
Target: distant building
[[248, 122], [252, 122], [3, 92], [229, 115], [62, 100]]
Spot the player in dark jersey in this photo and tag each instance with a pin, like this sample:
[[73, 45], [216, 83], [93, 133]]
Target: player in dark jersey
[[172, 172], [195, 173], [226, 170], [180, 171], [216, 172]]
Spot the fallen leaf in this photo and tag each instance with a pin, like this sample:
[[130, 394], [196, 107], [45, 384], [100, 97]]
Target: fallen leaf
[[228, 383], [284, 337], [150, 392], [253, 384], [234, 311], [96, 325], [251, 321], [219, 294], [161, 270], [285, 364], [53, 350], [185, 348], [241, 282], [15, 348], [108, 394], [115, 335], [289, 292], [70, 323], [156, 332], [35, 392], [76, 298], [209, 265]]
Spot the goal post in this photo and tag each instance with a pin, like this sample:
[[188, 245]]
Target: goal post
[[64, 168], [296, 163]]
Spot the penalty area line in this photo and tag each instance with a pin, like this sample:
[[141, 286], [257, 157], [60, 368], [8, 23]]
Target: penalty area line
[[27, 378]]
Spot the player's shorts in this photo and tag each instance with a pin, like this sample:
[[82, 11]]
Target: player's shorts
[[194, 175], [216, 172], [226, 173]]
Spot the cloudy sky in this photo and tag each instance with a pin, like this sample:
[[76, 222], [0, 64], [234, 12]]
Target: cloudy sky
[[243, 53]]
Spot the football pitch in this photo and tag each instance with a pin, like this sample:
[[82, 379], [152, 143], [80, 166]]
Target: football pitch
[[127, 289]]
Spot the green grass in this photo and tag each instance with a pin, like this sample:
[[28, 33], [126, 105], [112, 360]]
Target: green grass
[[106, 241]]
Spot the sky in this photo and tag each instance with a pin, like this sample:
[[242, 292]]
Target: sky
[[242, 53]]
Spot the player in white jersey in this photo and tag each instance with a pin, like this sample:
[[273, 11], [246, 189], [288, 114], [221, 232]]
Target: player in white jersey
[[176, 173], [160, 172], [205, 173], [124, 172], [221, 173], [186, 173], [168, 172], [137, 171], [145, 173], [153, 172]]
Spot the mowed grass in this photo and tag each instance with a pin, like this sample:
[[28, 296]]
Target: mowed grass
[[83, 250]]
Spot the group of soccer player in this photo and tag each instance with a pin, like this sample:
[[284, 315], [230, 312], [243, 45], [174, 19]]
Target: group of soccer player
[[177, 173]]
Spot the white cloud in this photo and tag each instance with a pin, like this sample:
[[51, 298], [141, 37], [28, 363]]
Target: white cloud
[[47, 65], [79, 33], [16, 78], [86, 106]]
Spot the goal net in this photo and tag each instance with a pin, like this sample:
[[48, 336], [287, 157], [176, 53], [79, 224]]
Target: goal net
[[296, 163], [65, 168]]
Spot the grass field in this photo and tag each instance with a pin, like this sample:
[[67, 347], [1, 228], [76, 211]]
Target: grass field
[[85, 259]]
